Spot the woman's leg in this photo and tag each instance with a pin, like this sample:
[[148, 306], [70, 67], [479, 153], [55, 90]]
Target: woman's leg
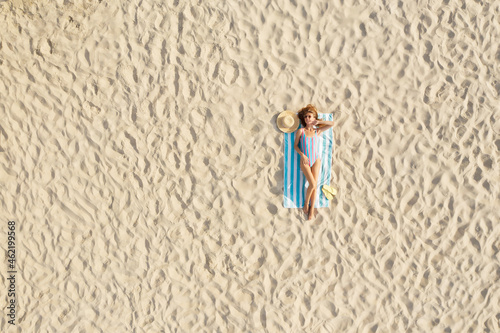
[[306, 169], [316, 168]]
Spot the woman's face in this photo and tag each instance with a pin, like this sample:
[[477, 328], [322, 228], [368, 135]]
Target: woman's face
[[309, 118]]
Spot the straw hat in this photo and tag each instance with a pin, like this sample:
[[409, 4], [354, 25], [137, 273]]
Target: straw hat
[[288, 121]]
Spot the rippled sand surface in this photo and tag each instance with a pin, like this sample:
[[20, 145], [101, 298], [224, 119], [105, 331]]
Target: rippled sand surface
[[141, 162]]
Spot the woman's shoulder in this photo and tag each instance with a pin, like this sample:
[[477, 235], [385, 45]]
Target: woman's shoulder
[[319, 131]]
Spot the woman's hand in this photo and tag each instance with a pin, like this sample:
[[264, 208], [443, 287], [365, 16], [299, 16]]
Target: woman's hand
[[304, 159], [324, 125], [315, 122]]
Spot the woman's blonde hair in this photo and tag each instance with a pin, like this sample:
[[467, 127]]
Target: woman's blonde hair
[[308, 109]]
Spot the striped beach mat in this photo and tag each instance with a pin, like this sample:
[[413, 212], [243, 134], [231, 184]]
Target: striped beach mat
[[294, 183]]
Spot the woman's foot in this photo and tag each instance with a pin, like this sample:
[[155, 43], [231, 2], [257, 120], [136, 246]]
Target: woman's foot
[[312, 213], [306, 210]]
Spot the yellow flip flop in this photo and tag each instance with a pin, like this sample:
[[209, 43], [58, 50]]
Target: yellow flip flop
[[328, 191]]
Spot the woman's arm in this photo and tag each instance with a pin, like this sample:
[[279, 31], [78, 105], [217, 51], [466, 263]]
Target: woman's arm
[[323, 125], [303, 157]]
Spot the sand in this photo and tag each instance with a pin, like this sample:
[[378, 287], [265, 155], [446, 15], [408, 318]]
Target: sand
[[142, 165]]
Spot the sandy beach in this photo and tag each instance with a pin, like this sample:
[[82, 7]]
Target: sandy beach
[[142, 168]]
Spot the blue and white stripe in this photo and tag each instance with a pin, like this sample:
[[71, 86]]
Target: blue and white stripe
[[294, 180]]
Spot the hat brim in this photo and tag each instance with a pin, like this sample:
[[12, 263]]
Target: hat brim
[[296, 121]]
